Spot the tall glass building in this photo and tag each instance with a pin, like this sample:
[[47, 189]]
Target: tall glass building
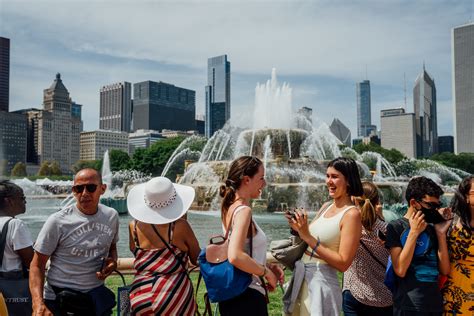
[[364, 125], [462, 46], [217, 94], [426, 123], [160, 105], [4, 73]]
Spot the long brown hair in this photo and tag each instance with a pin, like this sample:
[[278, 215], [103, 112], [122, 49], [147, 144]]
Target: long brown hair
[[367, 203], [240, 167]]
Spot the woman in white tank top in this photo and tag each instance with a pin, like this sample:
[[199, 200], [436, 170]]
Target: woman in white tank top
[[332, 238], [244, 182]]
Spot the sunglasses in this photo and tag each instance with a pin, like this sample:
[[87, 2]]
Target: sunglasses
[[80, 188], [431, 205]]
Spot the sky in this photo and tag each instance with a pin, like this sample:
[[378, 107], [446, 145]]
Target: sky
[[321, 48]]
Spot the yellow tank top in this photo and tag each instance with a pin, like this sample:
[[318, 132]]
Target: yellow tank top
[[328, 231]]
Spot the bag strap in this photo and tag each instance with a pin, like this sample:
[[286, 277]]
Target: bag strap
[[372, 255], [3, 240], [180, 260]]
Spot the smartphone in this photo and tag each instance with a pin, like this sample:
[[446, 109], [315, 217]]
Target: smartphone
[[381, 235], [291, 213], [102, 265]]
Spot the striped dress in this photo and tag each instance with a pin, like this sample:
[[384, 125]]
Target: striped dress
[[161, 285]]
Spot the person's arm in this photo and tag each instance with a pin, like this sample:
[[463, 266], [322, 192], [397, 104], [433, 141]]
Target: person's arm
[[444, 266], [26, 255], [110, 263], [131, 240], [351, 230], [191, 242], [37, 272], [402, 257], [236, 254]]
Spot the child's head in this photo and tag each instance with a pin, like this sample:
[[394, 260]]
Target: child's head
[[423, 194]]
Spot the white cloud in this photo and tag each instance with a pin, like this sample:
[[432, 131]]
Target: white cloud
[[171, 41]]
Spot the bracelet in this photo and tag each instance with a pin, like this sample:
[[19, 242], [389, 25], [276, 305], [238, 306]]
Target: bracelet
[[313, 251], [264, 271]]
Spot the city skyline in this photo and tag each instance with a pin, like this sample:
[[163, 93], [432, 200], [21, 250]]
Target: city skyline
[[320, 72]]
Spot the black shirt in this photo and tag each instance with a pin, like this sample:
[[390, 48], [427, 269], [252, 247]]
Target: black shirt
[[418, 290]]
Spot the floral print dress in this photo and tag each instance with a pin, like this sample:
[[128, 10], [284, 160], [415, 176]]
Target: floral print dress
[[458, 291]]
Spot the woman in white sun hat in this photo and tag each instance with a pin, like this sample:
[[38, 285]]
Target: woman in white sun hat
[[161, 241]]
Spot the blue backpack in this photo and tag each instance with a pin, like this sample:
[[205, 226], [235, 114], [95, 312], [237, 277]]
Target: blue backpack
[[422, 246], [223, 280]]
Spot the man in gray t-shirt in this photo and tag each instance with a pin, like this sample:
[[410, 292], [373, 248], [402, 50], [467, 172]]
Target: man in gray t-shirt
[[80, 242]]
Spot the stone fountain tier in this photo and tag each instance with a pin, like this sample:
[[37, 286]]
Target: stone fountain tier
[[284, 142], [279, 196]]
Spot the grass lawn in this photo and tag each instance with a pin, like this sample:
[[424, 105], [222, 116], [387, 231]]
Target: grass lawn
[[274, 308]]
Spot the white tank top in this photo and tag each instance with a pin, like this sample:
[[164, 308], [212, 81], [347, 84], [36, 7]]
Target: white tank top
[[259, 250], [328, 230]]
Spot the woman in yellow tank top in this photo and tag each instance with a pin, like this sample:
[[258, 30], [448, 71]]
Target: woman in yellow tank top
[[332, 238]]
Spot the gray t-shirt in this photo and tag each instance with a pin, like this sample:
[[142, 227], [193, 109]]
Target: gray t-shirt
[[76, 244]]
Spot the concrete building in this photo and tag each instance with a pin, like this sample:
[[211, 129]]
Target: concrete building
[[116, 107], [217, 101], [462, 46], [54, 131], [159, 105], [13, 138], [167, 133], [364, 119], [341, 132], [95, 143], [426, 123], [142, 139], [445, 144], [398, 131], [4, 74]]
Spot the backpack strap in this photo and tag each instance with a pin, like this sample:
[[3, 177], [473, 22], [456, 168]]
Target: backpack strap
[[3, 240]]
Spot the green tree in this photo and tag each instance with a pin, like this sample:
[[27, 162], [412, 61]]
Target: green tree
[[119, 160], [463, 161], [55, 169], [81, 164], [3, 167], [153, 159], [19, 170], [392, 155], [45, 169]]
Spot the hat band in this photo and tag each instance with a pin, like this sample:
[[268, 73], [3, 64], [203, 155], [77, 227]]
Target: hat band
[[162, 204]]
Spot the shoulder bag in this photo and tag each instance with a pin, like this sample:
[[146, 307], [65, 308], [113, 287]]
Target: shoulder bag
[[14, 285], [223, 280]]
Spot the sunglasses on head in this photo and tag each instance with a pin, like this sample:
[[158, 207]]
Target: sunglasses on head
[[80, 188]]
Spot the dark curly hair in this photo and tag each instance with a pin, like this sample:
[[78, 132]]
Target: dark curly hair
[[420, 186], [240, 167], [460, 203]]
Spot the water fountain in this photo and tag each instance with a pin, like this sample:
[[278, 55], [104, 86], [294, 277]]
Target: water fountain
[[295, 152]]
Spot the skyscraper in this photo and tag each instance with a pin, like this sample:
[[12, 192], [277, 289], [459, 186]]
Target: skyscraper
[[398, 131], [364, 122], [54, 132], [462, 46], [160, 105], [341, 132], [116, 107], [424, 103], [217, 94], [4, 73]]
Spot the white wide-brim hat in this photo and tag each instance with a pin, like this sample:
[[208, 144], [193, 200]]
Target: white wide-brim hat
[[159, 201]]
